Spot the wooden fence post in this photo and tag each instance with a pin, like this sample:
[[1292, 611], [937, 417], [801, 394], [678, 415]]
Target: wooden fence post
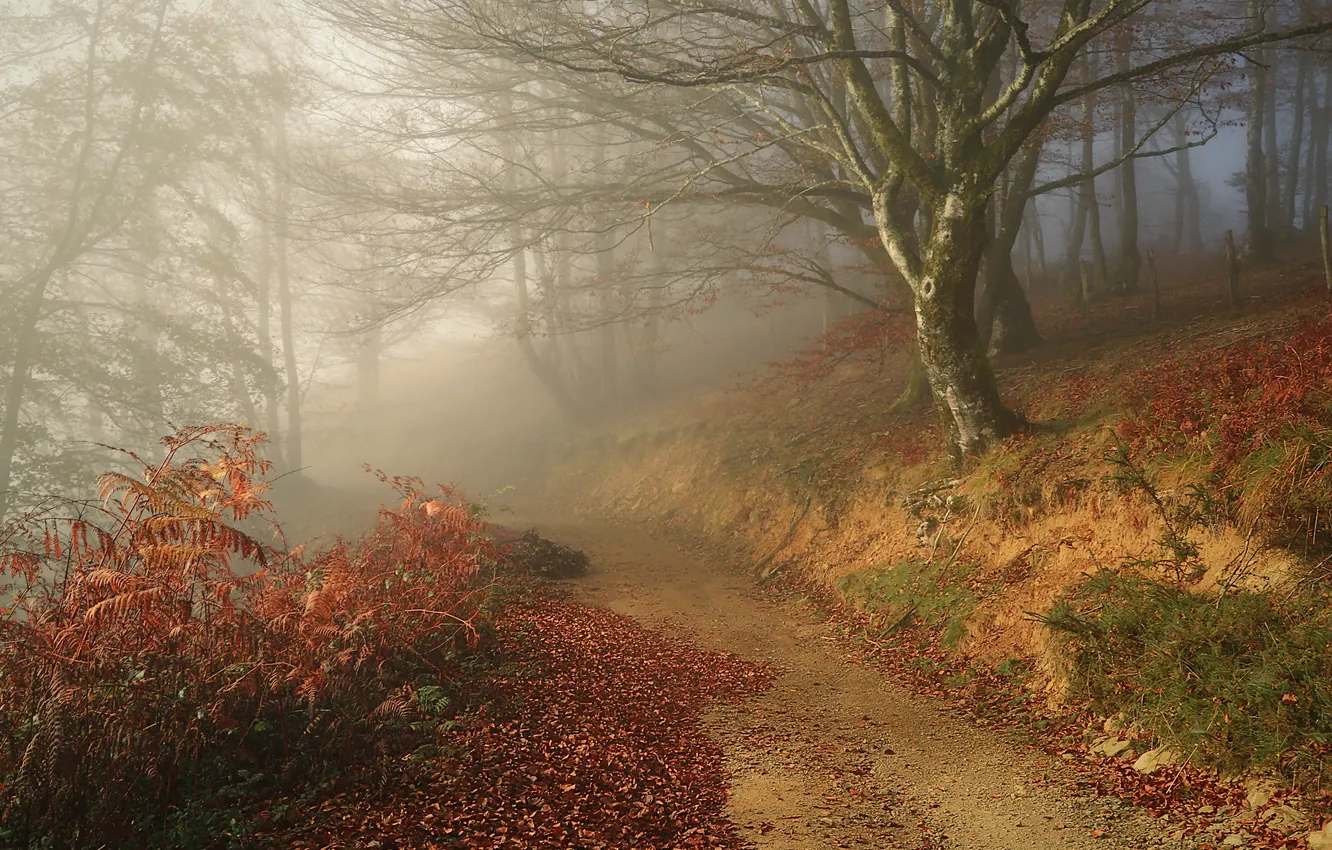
[[1232, 269]]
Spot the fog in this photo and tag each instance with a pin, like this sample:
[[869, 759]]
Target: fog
[[439, 238]]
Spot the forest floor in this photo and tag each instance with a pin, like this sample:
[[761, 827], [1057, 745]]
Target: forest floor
[[836, 753]]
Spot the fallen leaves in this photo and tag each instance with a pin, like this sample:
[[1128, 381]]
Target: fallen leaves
[[587, 736]]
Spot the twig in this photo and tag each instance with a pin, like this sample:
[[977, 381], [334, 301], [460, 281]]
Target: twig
[[958, 548]]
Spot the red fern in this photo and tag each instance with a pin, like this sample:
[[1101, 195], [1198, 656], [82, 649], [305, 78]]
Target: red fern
[[138, 640]]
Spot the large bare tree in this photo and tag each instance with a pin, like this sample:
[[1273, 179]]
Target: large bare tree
[[913, 111]]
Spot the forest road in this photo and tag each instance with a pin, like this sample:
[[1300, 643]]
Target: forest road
[[836, 754]]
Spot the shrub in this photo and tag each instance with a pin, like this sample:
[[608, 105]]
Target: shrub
[[149, 645], [1239, 681]]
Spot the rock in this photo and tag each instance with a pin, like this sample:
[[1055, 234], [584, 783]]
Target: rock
[[1286, 819], [1320, 840], [1112, 747], [1259, 793], [1156, 758]]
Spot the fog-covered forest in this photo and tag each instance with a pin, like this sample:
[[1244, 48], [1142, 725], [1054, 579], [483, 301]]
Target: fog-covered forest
[[446, 237], [214, 209]]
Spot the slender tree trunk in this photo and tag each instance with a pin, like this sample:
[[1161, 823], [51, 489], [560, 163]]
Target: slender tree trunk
[[1100, 264], [647, 377], [1006, 322], [1037, 229], [1296, 140], [1257, 241], [21, 363], [1077, 228], [1188, 206], [1271, 149], [609, 370], [368, 368], [286, 305], [1322, 130], [264, 331], [1307, 211], [1130, 258]]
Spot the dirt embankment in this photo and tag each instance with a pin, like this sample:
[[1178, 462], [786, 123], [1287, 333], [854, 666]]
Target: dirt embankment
[[1010, 554]]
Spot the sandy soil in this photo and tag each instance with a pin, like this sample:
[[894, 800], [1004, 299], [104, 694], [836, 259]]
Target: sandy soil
[[837, 754]]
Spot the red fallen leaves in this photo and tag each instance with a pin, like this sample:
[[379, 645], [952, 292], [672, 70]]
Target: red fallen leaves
[[589, 737]]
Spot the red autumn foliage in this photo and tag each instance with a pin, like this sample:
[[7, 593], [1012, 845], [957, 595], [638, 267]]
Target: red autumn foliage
[[1260, 411], [147, 640], [588, 736]]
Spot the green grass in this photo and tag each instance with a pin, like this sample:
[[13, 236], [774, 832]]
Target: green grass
[[914, 591], [1238, 682]]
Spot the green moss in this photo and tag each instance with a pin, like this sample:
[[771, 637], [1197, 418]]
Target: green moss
[[914, 591]]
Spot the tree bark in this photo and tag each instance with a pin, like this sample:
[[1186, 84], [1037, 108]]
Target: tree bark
[[951, 351], [1258, 239], [21, 363], [264, 331], [1130, 259], [286, 305], [368, 369], [1271, 149], [1296, 141], [1321, 126], [1188, 206], [1006, 322]]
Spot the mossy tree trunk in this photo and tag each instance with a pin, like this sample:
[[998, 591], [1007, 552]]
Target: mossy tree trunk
[[951, 350]]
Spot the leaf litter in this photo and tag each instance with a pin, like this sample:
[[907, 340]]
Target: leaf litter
[[587, 735]]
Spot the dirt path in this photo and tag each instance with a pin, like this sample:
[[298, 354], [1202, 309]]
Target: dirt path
[[836, 755]]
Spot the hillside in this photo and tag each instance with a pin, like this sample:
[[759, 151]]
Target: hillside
[[1169, 501]]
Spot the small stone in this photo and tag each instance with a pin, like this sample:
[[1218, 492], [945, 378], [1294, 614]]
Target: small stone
[[1321, 839], [1112, 747], [1286, 819], [1156, 758]]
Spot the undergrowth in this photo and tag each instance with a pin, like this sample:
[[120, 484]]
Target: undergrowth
[[1259, 415], [157, 663], [936, 596], [1240, 681]]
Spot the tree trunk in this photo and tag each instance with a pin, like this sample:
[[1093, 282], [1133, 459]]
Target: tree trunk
[[1037, 230], [1130, 260], [646, 364], [951, 351], [286, 307], [264, 332], [368, 369], [1321, 126], [1077, 228], [1006, 322], [21, 363], [1188, 206], [1271, 149], [1257, 241], [1296, 140], [1100, 265]]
